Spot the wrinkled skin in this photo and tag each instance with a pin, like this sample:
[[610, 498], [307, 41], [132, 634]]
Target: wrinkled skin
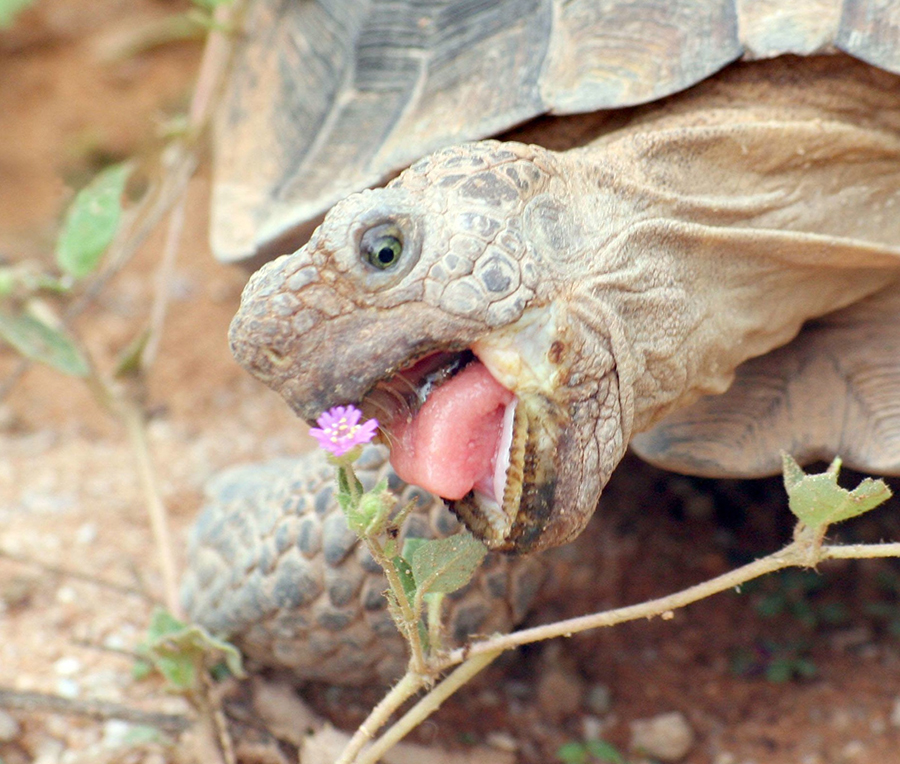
[[605, 286]]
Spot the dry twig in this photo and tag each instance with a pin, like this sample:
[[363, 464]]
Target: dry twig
[[94, 709]]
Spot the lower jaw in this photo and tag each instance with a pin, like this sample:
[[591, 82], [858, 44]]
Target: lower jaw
[[518, 523]]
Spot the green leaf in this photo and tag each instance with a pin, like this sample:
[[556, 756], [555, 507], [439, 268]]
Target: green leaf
[[793, 473], [177, 650], [38, 341], [445, 565], [603, 751], [8, 279], [572, 753], [92, 221], [9, 9], [162, 624], [406, 577], [178, 669], [818, 501], [410, 545]]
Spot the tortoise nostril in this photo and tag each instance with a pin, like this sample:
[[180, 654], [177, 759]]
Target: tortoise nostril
[[276, 358]]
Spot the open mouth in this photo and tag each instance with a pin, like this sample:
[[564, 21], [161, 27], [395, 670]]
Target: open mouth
[[454, 430]]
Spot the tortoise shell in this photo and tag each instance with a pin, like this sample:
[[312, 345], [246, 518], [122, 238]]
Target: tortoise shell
[[334, 96]]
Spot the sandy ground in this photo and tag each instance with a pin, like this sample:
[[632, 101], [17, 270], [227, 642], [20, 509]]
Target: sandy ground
[[70, 500]]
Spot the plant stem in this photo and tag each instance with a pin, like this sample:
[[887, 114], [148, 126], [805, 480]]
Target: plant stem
[[164, 275], [76, 574], [353, 484], [792, 555], [425, 707], [133, 417], [433, 609], [410, 684], [409, 628], [91, 708], [860, 551]]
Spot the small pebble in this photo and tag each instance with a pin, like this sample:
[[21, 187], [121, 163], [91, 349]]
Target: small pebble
[[46, 503], [502, 741], [68, 688], [123, 637], [9, 727], [86, 534], [115, 733], [667, 737], [114, 642], [67, 666], [66, 595], [49, 752], [593, 728]]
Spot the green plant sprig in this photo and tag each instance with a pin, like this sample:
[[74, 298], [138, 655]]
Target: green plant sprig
[[816, 501], [420, 573], [418, 576]]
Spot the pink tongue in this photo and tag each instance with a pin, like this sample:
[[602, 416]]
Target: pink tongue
[[451, 443]]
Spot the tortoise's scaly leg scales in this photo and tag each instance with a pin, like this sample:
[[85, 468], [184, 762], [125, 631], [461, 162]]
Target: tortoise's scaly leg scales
[[273, 567]]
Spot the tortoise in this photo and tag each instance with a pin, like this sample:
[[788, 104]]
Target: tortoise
[[709, 278]]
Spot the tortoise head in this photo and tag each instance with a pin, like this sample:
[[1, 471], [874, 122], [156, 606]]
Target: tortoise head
[[432, 305]]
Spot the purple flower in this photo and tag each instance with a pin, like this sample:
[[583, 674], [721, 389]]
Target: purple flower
[[339, 430]]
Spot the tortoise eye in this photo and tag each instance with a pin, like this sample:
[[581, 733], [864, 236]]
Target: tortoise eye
[[382, 246]]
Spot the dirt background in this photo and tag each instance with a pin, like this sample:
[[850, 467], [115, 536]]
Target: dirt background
[[70, 502]]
